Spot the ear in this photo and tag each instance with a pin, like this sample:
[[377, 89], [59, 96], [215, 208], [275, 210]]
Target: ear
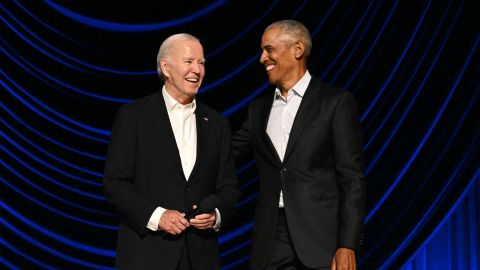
[[164, 67], [299, 50]]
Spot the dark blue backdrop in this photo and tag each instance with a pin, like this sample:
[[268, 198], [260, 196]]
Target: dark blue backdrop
[[66, 67]]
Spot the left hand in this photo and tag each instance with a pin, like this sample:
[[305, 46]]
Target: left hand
[[203, 221], [344, 259]]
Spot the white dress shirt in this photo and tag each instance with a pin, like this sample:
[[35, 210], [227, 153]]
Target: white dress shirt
[[184, 126], [282, 116]]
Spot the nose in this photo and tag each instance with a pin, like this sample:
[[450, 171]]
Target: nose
[[263, 57], [196, 67]]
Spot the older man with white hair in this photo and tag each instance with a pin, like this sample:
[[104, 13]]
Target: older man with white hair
[[169, 170]]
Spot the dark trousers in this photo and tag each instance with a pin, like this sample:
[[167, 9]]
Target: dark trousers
[[184, 263], [283, 255]]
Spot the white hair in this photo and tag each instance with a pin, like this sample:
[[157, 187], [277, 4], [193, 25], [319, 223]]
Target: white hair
[[167, 45]]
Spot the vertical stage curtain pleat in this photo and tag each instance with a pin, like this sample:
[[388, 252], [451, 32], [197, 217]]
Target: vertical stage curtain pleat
[[455, 245]]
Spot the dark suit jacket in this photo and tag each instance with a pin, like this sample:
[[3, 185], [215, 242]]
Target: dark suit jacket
[[143, 171], [321, 175]]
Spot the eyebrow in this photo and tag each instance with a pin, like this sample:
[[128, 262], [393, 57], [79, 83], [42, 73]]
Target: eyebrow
[[193, 59]]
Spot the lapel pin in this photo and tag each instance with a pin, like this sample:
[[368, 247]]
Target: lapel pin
[[205, 118]]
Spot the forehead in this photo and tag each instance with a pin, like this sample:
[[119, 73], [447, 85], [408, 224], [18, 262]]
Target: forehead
[[188, 48], [273, 37]]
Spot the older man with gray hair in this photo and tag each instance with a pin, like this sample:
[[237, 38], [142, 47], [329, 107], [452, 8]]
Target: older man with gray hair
[[169, 170], [307, 142]]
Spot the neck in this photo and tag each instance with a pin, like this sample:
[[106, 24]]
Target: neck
[[284, 92], [291, 80], [182, 99]]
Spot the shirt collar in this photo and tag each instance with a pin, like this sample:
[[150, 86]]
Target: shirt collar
[[299, 88], [171, 103]]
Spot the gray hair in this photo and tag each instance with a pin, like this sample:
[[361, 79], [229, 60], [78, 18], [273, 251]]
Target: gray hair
[[167, 46], [295, 30]]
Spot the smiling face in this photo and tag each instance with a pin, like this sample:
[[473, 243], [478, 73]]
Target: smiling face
[[282, 57], [183, 68]]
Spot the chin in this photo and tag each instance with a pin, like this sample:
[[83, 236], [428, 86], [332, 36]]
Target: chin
[[192, 90], [272, 80], [192, 94]]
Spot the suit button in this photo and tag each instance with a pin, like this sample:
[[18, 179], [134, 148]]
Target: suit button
[[284, 170], [188, 188]]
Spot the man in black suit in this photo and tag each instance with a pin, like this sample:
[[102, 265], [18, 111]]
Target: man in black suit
[[169, 154], [306, 140]]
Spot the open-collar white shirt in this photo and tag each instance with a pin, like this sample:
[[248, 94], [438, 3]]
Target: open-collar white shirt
[[184, 126], [283, 114], [182, 119]]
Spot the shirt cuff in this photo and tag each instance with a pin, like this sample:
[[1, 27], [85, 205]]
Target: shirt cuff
[[218, 220], [154, 220]]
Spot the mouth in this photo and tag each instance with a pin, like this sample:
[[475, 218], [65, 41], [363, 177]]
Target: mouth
[[269, 67], [192, 79]]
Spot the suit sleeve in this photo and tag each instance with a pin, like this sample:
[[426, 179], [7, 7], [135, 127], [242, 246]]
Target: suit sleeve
[[242, 149], [119, 174], [227, 189], [349, 165]]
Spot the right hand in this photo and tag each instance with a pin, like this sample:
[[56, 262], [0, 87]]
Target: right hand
[[173, 222]]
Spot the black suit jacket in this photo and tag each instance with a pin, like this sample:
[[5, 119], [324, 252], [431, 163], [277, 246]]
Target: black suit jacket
[[143, 171], [321, 175]]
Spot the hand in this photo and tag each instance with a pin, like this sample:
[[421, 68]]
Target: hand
[[203, 221], [173, 222], [344, 259]]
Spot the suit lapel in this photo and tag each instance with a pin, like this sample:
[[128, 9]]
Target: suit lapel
[[303, 115], [201, 120], [162, 129], [265, 108]]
